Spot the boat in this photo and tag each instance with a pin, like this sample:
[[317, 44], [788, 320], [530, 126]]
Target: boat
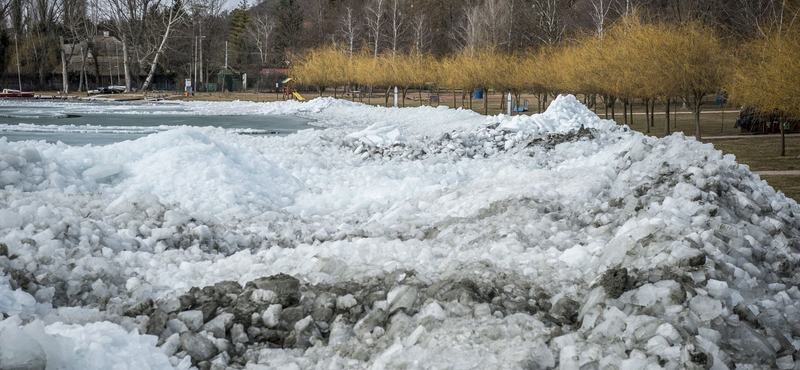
[[11, 93]]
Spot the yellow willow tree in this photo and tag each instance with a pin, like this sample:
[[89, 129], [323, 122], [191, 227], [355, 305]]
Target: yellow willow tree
[[617, 57], [767, 76], [640, 56], [700, 62], [367, 72], [462, 73], [320, 67], [452, 76], [660, 66], [529, 74]]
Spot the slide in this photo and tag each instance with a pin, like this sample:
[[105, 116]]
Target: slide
[[298, 96]]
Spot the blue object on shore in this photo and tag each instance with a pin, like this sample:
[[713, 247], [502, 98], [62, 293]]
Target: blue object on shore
[[478, 94]]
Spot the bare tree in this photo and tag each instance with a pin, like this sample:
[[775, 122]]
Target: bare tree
[[496, 16], [469, 32], [375, 13], [176, 13], [260, 31], [550, 23], [397, 24], [348, 29], [422, 32], [601, 10], [129, 19]]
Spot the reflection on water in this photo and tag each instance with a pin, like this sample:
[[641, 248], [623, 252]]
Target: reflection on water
[[80, 123]]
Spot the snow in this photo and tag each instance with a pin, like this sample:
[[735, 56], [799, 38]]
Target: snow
[[435, 237]]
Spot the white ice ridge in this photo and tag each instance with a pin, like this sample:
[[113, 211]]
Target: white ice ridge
[[610, 248]]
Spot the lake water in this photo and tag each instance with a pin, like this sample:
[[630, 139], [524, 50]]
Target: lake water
[[102, 123]]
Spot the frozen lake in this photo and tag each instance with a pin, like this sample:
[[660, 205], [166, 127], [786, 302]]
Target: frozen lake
[[102, 123]]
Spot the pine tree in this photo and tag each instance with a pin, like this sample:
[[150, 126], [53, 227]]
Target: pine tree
[[240, 18], [289, 17]]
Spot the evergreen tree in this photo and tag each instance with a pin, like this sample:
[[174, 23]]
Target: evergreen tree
[[289, 17], [240, 18]]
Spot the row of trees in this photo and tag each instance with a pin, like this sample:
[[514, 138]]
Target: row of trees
[[633, 60], [160, 35]]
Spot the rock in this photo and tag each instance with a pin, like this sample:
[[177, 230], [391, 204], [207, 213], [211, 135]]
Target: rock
[[3, 250], [226, 291], [142, 308], [615, 281], [219, 325], [198, 346], [243, 310], [156, 322], [284, 286], [187, 300], [209, 310], [192, 319], [290, 316], [566, 309], [322, 314], [272, 316]]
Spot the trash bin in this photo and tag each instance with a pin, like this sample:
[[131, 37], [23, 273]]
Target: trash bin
[[478, 94]]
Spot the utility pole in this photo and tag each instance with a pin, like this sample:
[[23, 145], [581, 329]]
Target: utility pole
[[110, 71], [116, 54], [198, 39], [201, 61], [194, 83]]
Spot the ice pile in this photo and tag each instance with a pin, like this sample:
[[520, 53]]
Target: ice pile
[[398, 238]]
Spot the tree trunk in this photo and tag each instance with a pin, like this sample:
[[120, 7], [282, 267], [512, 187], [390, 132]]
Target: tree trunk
[[83, 83], [64, 77], [485, 102], [625, 111], [783, 138], [630, 111], [653, 113], [613, 101], [454, 99], [97, 78], [154, 65], [666, 126], [125, 65], [647, 115], [697, 117]]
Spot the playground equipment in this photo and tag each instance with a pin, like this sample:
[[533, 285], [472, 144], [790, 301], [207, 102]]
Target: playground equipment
[[289, 92], [523, 108]]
